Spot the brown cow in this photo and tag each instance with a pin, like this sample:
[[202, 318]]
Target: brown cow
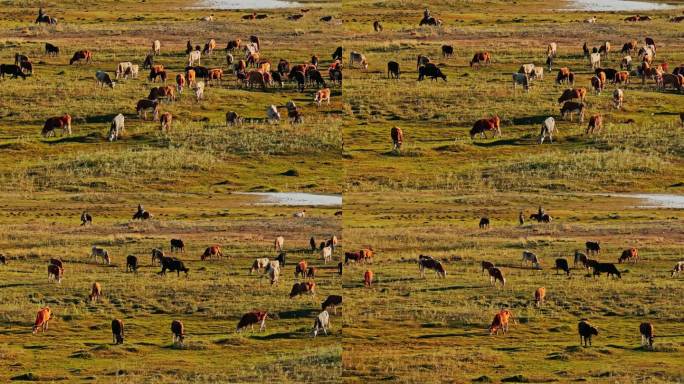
[[60, 122], [621, 77], [486, 265], [595, 124], [214, 250], [321, 96], [191, 77], [539, 296], [571, 107], [301, 268], [496, 274], [180, 83], [233, 45], [565, 76], [397, 136], [216, 74], [629, 254], [575, 93], [82, 55], [483, 125], [302, 288], [251, 318], [95, 292], [165, 122], [368, 278], [256, 78], [481, 58], [144, 105], [500, 322], [42, 318]]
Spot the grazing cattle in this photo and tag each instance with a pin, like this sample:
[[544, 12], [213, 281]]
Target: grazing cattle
[[315, 76], [484, 223], [590, 20], [354, 256], [322, 322], [51, 50], [259, 265], [580, 258], [117, 331], [145, 105], [156, 47], [311, 273], [333, 301], [131, 263], [548, 129], [565, 76], [629, 46], [621, 77], [562, 265], [368, 278], [668, 79], [422, 60], [609, 73], [647, 334], [447, 50], [273, 271], [539, 296], [425, 263], [256, 78], [484, 125], [595, 124], [302, 288], [180, 83], [232, 45], [122, 68], [157, 254], [173, 265], [626, 63], [537, 74], [430, 21], [95, 292], [496, 274], [432, 71], [80, 56], [26, 67], [104, 79], [212, 251], [63, 123], [629, 254], [100, 253], [500, 322], [190, 74], [194, 56], [678, 268], [521, 79], [530, 257], [358, 58], [542, 218], [677, 19], [141, 214], [55, 273], [149, 61], [367, 254], [294, 113], [272, 114], [321, 96], [595, 60], [279, 243], [585, 49], [57, 262], [551, 49], [19, 58], [481, 58], [299, 77], [251, 318], [607, 268], [570, 94], [43, 317], [86, 219], [605, 49], [397, 136], [592, 247], [177, 245], [486, 265], [216, 74], [549, 62], [178, 331], [233, 119], [300, 269], [199, 90], [165, 122], [11, 69], [618, 98], [209, 47], [648, 50], [646, 71], [393, 70], [596, 84], [586, 331], [526, 69], [571, 107], [326, 254]]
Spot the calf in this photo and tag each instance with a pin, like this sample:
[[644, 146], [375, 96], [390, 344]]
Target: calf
[[302, 288], [562, 264], [618, 98], [311, 273], [117, 127], [55, 273], [178, 331], [281, 259], [95, 292], [131, 263], [42, 319], [233, 119], [548, 129], [165, 122], [103, 79], [333, 301], [322, 322], [647, 334], [397, 136], [608, 268], [321, 96], [586, 331], [539, 296], [156, 47], [447, 50], [595, 124], [173, 265], [117, 331]]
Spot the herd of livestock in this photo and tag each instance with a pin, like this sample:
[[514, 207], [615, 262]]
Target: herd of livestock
[[270, 268], [245, 60], [643, 66]]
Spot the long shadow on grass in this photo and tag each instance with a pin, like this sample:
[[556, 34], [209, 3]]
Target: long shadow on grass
[[273, 336], [499, 142], [441, 335], [296, 314], [94, 137], [452, 288]]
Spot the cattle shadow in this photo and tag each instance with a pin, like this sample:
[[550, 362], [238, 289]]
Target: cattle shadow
[[296, 314], [14, 285], [277, 336], [530, 120], [451, 288], [499, 142], [443, 335], [107, 118], [93, 137]]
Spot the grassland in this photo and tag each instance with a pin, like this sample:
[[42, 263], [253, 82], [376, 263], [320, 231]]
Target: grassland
[[415, 330], [436, 116], [200, 152]]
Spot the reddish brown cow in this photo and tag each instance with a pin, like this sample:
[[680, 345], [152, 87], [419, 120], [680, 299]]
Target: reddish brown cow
[[484, 125], [595, 124], [301, 268], [165, 122], [397, 138], [621, 77], [251, 318], [481, 58], [570, 94], [368, 278], [214, 250], [565, 76], [60, 122], [82, 55], [302, 288]]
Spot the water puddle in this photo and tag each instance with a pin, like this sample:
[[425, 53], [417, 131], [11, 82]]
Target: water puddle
[[245, 4], [295, 198], [655, 200], [615, 5]]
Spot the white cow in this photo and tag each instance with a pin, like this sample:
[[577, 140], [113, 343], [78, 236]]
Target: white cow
[[537, 73], [548, 129], [326, 254], [273, 272], [194, 56], [526, 69], [156, 47], [117, 127], [272, 114], [322, 322], [551, 50], [595, 60], [199, 90], [259, 265], [300, 214], [618, 98], [279, 243], [122, 68], [626, 63]]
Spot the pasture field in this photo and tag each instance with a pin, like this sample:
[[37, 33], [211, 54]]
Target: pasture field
[[201, 152], [436, 116], [416, 330], [210, 301]]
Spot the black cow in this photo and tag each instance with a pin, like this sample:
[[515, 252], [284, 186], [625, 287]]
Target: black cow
[[447, 50], [609, 268], [131, 263], [174, 265], [332, 301], [177, 244], [586, 330], [86, 218], [337, 55], [315, 76], [392, 70], [281, 259], [299, 77], [562, 264], [312, 243], [277, 78], [51, 50], [431, 71], [484, 223], [11, 69], [593, 247]]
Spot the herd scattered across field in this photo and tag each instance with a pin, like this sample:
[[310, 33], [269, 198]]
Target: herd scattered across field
[[265, 268], [573, 100]]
